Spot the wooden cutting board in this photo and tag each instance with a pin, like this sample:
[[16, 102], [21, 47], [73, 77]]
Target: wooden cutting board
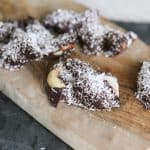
[[125, 128]]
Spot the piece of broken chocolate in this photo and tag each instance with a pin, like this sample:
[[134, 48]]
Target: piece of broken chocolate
[[143, 85], [77, 83], [99, 39], [31, 43]]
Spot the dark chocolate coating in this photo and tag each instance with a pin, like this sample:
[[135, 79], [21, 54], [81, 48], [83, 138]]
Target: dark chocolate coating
[[54, 95]]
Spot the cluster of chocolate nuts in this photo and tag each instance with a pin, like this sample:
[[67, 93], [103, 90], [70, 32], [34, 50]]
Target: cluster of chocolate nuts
[[72, 80], [56, 34], [94, 37]]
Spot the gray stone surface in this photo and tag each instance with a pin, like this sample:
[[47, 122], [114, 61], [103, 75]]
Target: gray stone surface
[[19, 131]]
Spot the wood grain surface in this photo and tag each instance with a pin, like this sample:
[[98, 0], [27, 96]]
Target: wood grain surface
[[127, 127]]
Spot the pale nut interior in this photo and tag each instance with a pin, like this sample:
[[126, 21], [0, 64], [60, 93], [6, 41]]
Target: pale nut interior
[[53, 80], [58, 53], [114, 83]]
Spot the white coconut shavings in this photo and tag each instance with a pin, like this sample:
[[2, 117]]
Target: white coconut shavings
[[91, 30], [41, 38], [6, 29], [143, 84], [63, 19], [13, 54], [68, 20], [85, 87], [89, 16]]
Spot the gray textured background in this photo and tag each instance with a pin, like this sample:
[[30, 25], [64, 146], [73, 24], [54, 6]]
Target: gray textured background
[[19, 131]]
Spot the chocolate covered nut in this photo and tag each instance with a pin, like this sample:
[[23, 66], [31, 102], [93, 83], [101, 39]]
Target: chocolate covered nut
[[77, 83], [143, 85]]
